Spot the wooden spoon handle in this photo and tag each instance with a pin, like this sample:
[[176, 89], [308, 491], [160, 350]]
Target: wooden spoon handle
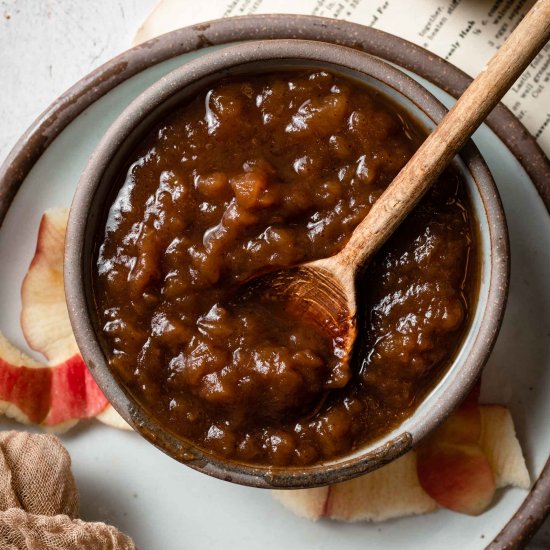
[[445, 141]]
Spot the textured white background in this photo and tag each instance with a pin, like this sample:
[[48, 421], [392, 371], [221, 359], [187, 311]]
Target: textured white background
[[47, 45]]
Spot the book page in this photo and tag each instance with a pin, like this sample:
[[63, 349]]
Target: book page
[[464, 32]]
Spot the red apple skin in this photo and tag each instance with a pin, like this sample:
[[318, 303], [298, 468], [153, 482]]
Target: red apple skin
[[74, 393], [49, 395], [47, 329], [457, 477], [452, 467], [28, 388], [68, 391]]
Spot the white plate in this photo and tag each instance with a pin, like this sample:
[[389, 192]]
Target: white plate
[[162, 504]]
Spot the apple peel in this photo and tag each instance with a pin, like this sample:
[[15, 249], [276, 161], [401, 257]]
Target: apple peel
[[457, 476], [20, 396], [54, 397], [452, 467], [44, 316], [47, 329], [395, 490]]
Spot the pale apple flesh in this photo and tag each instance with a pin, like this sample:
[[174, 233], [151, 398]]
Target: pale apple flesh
[[390, 492], [44, 316]]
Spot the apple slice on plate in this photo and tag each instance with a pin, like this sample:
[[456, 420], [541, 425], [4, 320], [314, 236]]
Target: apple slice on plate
[[58, 393], [459, 467], [452, 466], [44, 317], [54, 396]]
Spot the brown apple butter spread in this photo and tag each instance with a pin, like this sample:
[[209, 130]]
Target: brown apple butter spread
[[254, 174]]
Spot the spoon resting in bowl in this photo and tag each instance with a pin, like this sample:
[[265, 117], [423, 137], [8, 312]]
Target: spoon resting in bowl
[[324, 290]]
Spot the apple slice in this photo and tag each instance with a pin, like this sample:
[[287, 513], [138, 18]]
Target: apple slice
[[499, 442], [389, 492], [22, 383], [456, 476], [449, 470], [35, 393], [47, 329], [44, 317], [305, 503], [474, 452], [452, 467], [74, 393]]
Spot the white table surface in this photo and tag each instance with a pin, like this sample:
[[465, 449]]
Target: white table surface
[[47, 45]]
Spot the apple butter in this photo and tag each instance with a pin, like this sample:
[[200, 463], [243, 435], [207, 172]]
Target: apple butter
[[254, 174]]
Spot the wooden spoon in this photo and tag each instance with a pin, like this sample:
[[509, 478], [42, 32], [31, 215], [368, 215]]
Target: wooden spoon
[[324, 290]]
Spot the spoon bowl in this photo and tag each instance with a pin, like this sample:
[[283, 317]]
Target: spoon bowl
[[314, 293]]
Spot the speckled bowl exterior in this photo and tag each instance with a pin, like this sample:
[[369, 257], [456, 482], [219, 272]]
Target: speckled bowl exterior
[[90, 203]]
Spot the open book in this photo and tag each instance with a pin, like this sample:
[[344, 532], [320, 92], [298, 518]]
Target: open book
[[464, 32]]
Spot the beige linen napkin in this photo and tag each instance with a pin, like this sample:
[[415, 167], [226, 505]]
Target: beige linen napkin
[[39, 499]]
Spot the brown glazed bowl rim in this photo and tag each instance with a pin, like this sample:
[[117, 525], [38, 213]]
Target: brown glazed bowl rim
[[78, 246]]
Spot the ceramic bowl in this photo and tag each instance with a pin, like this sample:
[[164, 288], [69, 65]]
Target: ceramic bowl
[[95, 188]]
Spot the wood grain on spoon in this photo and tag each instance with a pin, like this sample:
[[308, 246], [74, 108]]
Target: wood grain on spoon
[[324, 290]]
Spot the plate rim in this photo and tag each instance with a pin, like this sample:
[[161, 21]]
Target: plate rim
[[67, 107]]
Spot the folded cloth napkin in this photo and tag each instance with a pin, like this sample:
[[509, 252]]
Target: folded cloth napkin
[[39, 499]]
